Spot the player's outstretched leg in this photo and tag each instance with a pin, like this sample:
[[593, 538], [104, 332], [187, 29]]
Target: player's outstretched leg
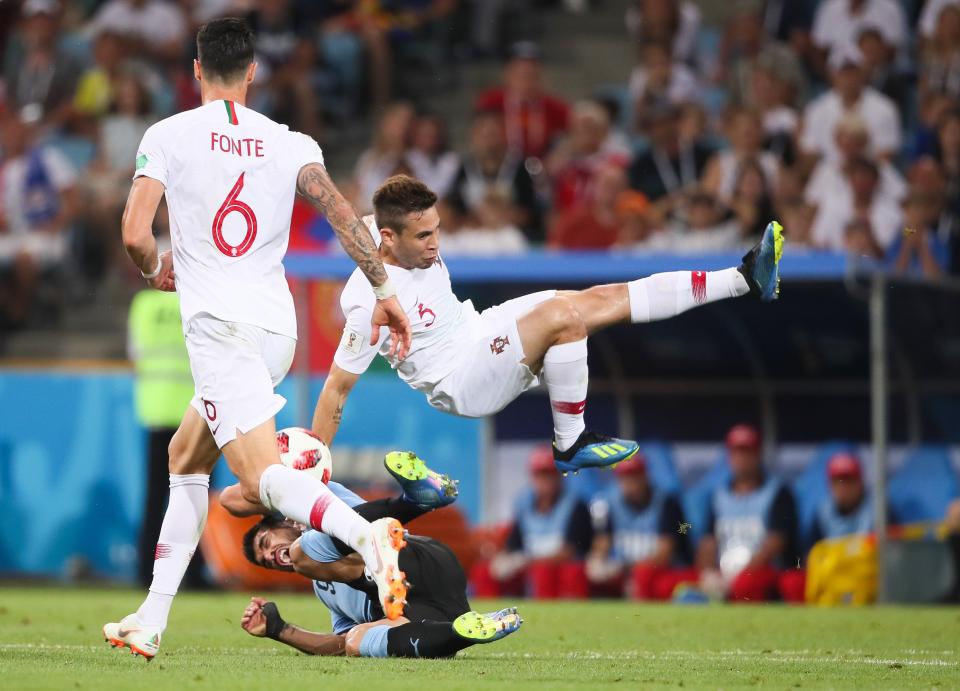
[[422, 486], [302, 497], [193, 453]]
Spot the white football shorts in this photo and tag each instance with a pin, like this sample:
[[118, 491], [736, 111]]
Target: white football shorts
[[491, 373], [235, 369]]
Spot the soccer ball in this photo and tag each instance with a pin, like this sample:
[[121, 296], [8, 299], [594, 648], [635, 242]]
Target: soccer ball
[[301, 449]]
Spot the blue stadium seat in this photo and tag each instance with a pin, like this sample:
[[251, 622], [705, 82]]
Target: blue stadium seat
[[811, 487], [923, 487], [696, 500]]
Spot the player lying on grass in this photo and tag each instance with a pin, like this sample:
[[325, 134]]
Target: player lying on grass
[[473, 363], [438, 622]]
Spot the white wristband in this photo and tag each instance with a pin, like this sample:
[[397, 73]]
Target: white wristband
[[384, 291], [156, 272]]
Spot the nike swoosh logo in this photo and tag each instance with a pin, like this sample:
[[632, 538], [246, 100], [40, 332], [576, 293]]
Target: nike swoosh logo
[[122, 633], [214, 431], [376, 550]]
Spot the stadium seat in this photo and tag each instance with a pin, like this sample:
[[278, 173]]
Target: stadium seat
[[696, 500], [923, 487], [811, 486]]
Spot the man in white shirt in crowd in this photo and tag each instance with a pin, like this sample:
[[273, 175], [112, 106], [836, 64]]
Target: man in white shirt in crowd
[[838, 23], [849, 94]]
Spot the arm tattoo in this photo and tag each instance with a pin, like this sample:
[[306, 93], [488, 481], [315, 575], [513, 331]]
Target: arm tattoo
[[315, 185], [338, 414]]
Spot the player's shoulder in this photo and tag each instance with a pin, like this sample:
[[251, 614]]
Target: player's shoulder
[[357, 292]]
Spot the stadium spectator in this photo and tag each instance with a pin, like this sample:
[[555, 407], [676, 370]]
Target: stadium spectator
[[837, 24], [775, 86], [940, 59], [549, 538], [859, 241], [863, 200], [385, 157], [429, 157], [789, 22], [533, 118], [930, 16], [948, 156], [674, 22], [638, 537], [671, 166], [285, 46], [38, 204], [829, 178], [95, 87], [657, 76], [40, 76], [490, 167], [751, 202], [849, 93], [597, 222], [575, 162], [107, 180], [494, 233], [744, 129], [919, 249], [749, 545], [879, 62], [152, 27], [847, 511]]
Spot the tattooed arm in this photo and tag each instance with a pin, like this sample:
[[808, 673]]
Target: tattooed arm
[[329, 411], [315, 185]]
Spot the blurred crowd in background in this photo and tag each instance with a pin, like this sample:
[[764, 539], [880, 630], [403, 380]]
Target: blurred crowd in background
[[839, 117], [743, 532]]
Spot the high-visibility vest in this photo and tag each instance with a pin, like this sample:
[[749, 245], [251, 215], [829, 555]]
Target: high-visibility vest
[[163, 384]]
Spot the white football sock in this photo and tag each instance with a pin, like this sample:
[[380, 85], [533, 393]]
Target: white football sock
[[665, 295], [182, 525], [302, 497], [566, 375]]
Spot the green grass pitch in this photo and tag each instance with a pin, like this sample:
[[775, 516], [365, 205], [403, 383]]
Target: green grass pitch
[[50, 639]]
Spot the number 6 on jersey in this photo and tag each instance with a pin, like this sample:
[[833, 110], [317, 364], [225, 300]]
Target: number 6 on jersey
[[232, 204]]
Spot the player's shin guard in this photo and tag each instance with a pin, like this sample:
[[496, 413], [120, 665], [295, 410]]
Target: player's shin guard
[[182, 525], [566, 375], [304, 498], [666, 295]]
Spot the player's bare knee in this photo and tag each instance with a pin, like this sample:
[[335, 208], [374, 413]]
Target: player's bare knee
[[566, 320], [353, 640]]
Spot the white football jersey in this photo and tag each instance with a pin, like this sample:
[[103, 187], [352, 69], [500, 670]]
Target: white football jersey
[[439, 324], [230, 175]]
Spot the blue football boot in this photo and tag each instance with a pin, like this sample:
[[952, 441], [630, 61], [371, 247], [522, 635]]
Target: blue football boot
[[761, 265], [592, 450], [421, 486]]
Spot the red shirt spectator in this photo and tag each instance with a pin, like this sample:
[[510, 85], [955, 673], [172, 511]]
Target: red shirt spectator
[[597, 223], [533, 118]]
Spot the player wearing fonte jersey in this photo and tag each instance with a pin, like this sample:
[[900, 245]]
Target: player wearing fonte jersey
[[229, 176], [473, 364]]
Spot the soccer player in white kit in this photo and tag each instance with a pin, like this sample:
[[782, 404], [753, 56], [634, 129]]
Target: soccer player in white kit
[[229, 176], [473, 364]]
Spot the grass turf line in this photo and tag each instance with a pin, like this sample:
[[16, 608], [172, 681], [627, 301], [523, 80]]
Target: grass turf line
[[50, 639]]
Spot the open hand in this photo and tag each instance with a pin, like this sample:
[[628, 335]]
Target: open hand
[[389, 313]]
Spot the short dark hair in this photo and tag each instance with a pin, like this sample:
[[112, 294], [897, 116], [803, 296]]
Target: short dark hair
[[225, 48], [250, 537], [398, 197]]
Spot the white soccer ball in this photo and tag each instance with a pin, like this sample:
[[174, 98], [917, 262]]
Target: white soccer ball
[[301, 449]]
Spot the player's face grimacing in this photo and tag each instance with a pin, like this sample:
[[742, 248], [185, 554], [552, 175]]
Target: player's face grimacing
[[417, 246], [272, 546]]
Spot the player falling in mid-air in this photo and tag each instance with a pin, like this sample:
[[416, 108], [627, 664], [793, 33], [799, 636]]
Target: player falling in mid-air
[[473, 364], [438, 620], [229, 176]]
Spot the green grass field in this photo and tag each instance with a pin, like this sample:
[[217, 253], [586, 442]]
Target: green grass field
[[50, 639]]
